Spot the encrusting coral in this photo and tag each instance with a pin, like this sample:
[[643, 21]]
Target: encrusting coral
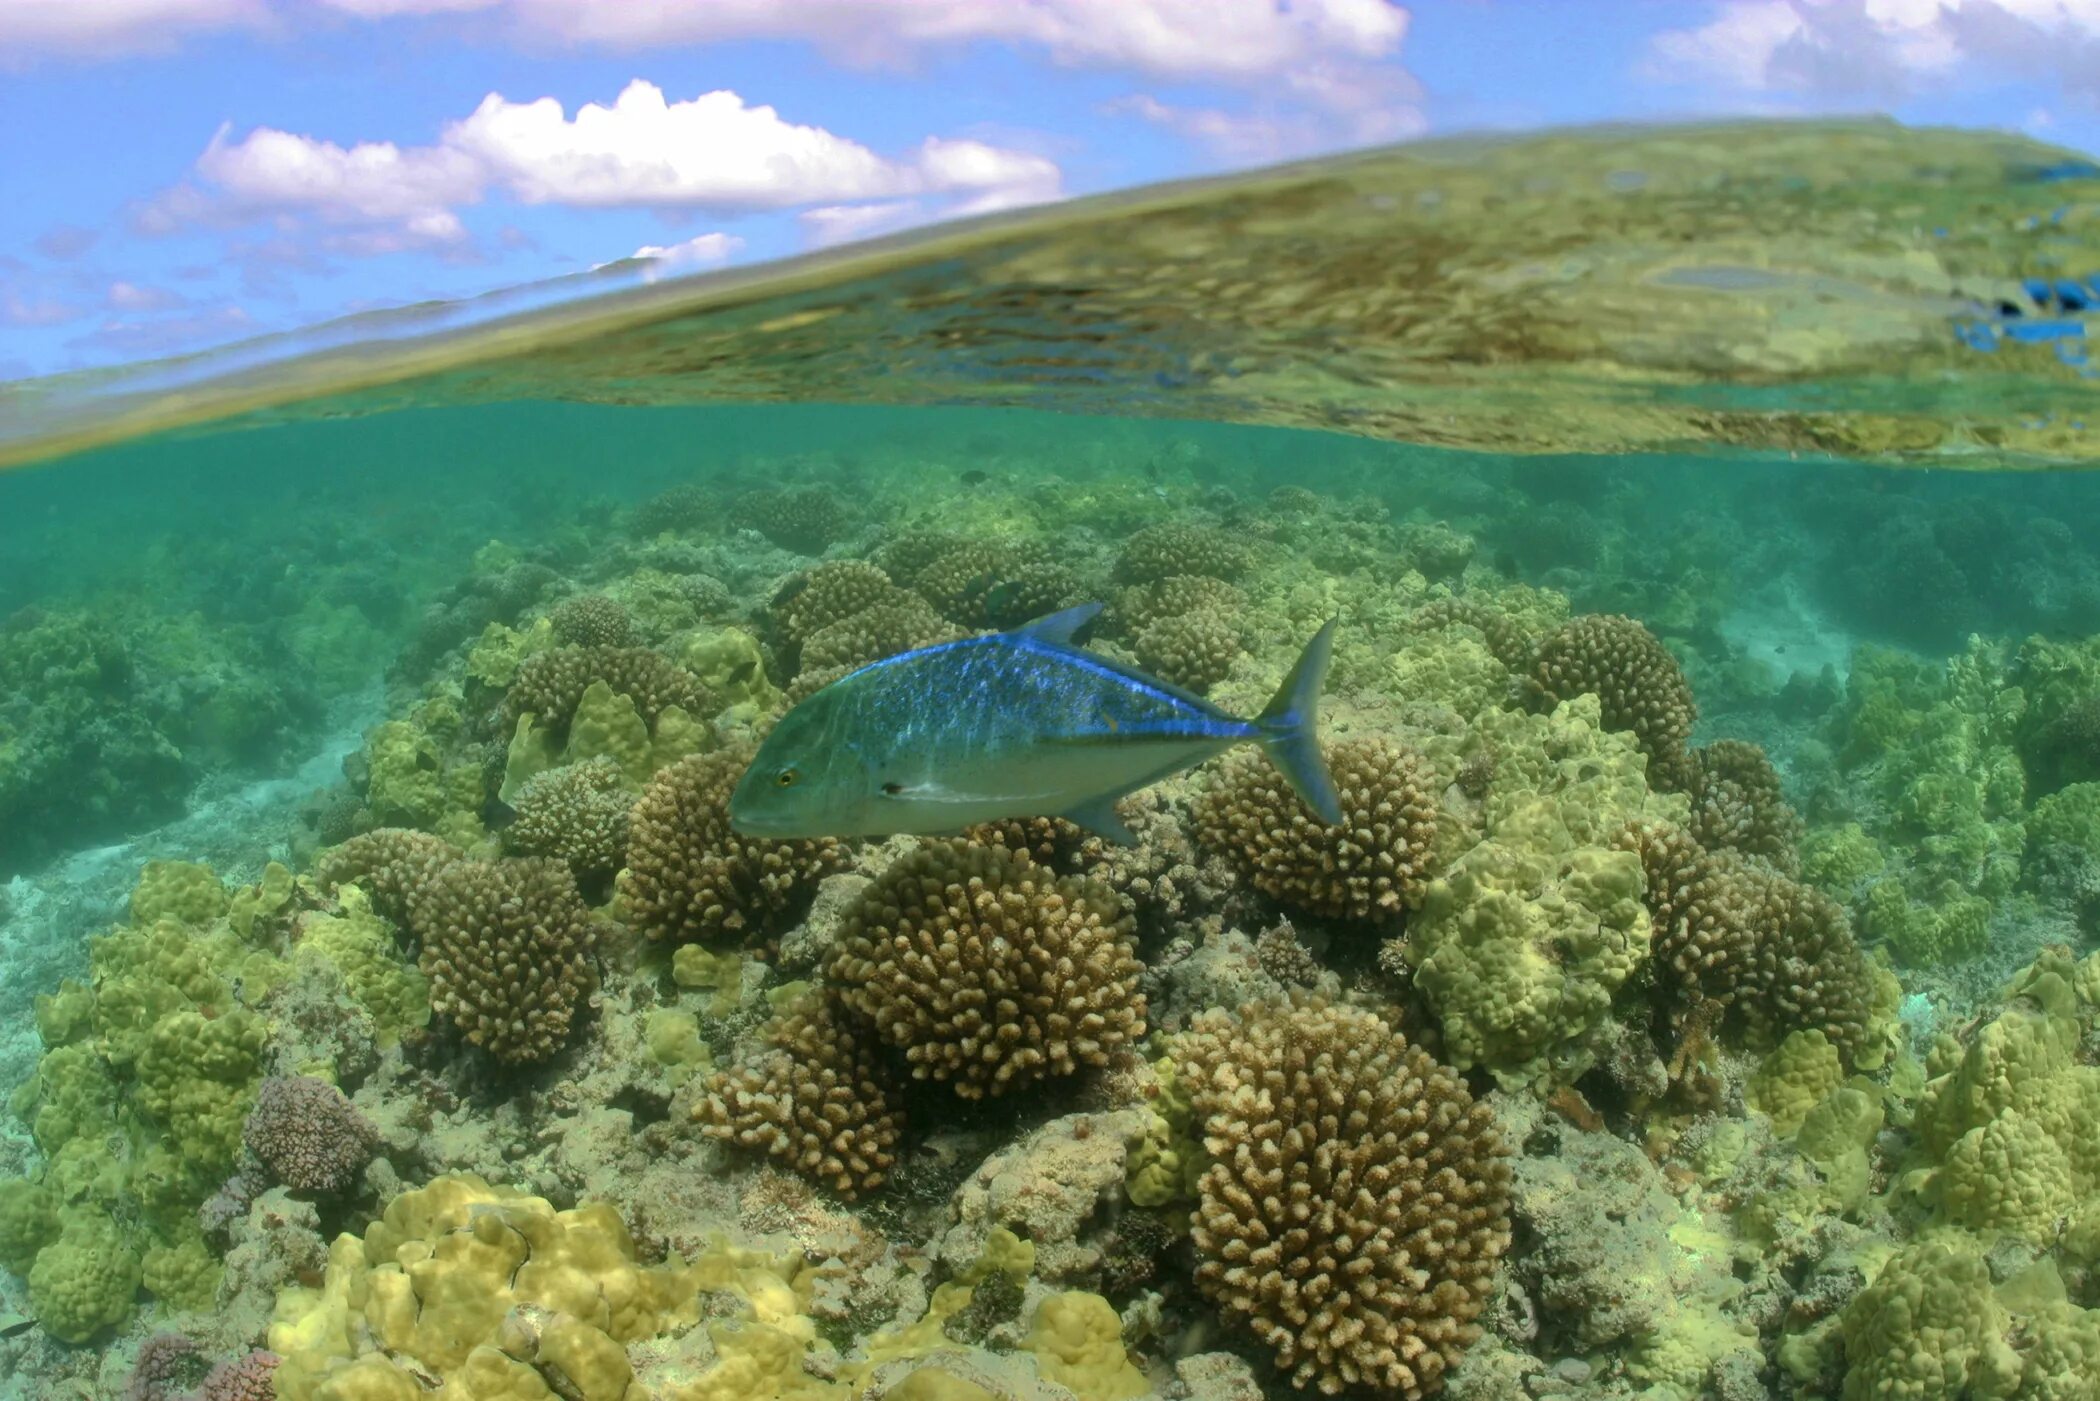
[[1372, 866], [691, 876], [817, 1101], [507, 948], [989, 971], [1356, 1198]]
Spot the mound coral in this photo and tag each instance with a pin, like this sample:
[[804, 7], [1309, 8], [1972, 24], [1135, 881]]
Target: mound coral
[[1177, 596], [1356, 1198], [506, 946], [817, 1101], [577, 813], [442, 1285], [989, 971], [592, 620], [1180, 547], [1371, 866], [690, 876], [308, 1135], [1640, 686]]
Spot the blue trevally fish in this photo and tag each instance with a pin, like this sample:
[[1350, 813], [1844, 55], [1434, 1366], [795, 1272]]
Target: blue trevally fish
[[1011, 724]]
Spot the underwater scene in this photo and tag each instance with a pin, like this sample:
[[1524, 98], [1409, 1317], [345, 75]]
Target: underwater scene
[[1390, 779]]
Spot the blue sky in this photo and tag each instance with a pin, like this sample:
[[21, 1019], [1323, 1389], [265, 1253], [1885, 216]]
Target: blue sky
[[183, 173]]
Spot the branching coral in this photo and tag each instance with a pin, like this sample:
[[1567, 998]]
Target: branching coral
[[817, 1101], [690, 876], [1195, 651], [1737, 804], [392, 865], [1639, 684], [308, 1135], [1177, 596], [592, 620], [1180, 547], [577, 813], [552, 683], [1371, 866], [1356, 1201], [802, 519], [988, 971], [904, 622], [829, 593], [506, 946]]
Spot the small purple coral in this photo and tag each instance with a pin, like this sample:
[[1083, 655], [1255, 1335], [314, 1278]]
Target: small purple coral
[[309, 1136], [166, 1363], [250, 1378]]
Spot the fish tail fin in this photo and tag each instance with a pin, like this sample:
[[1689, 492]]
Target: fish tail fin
[[1289, 728]]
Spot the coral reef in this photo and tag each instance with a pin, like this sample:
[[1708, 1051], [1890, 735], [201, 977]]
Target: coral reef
[[507, 946]]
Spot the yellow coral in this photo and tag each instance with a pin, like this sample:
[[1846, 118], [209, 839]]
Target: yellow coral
[[1078, 1341], [1794, 1078]]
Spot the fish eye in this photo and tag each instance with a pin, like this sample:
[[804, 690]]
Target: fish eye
[[788, 778]]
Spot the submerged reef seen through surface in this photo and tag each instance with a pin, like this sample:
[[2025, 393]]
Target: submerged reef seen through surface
[[1660, 1021]]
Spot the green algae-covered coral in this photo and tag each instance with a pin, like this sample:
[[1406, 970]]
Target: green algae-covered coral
[[1340, 1152], [82, 1283]]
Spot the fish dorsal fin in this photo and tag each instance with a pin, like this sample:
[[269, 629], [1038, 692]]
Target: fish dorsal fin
[[1098, 815], [1060, 627]]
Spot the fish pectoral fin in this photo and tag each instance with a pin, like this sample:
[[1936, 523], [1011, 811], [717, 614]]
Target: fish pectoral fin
[[1098, 815]]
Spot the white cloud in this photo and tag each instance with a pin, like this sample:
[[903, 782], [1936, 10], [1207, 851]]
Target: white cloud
[[1270, 134], [105, 28], [715, 151], [130, 296], [1881, 50], [843, 223]]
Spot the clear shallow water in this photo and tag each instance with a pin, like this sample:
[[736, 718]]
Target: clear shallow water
[[246, 643]]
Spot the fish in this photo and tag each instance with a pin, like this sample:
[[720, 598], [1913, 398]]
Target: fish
[[976, 477], [1025, 723]]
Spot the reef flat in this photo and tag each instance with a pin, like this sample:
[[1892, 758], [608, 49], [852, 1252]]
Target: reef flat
[[1697, 998]]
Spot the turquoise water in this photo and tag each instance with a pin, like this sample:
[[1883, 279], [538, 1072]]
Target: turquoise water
[[1719, 882]]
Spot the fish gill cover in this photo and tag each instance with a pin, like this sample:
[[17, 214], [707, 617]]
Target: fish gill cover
[[1695, 999]]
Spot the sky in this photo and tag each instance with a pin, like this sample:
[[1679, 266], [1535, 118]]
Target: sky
[[179, 174]]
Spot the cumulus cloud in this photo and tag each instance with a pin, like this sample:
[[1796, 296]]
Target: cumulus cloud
[[107, 28], [714, 152], [1881, 50], [708, 250], [843, 223]]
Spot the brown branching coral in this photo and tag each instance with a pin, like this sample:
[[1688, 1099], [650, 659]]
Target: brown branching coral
[[1734, 935], [592, 620], [550, 684], [681, 507], [1030, 591], [690, 876], [1048, 841], [970, 584], [1194, 651], [1179, 596], [881, 631], [817, 1101], [506, 946], [989, 971], [1180, 547], [1371, 866], [803, 519], [392, 865], [834, 590], [577, 812], [1356, 1201], [1638, 682], [1737, 804]]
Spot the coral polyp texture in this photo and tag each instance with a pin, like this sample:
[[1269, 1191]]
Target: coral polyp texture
[[1180, 548], [988, 971], [551, 684], [1356, 1199], [690, 876], [1370, 867], [308, 1135], [507, 948], [816, 1100], [577, 812], [1640, 685], [592, 620], [392, 865]]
